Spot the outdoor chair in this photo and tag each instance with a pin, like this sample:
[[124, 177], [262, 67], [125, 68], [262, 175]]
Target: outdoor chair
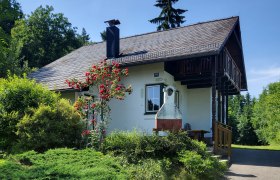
[[187, 127]]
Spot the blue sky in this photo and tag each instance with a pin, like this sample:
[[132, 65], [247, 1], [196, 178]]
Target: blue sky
[[260, 25]]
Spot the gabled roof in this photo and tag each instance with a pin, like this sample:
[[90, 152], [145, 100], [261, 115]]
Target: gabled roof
[[199, 39]]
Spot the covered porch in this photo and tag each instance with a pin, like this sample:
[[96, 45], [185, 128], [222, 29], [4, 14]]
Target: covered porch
[[224, 76]]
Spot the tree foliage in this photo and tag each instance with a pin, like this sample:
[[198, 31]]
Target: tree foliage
[[46, 36], [266, 118], [10, 11], [84, 37], [169, 17], [36, 40], [103, 35], [240, 118]]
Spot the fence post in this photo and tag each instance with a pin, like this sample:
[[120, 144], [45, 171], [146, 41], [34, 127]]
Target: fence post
[[216, 138]]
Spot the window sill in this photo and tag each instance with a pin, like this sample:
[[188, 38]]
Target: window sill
[[149, 113]]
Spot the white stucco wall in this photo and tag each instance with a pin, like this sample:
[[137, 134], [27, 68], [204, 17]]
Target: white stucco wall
[[199, 109], [129, 114]]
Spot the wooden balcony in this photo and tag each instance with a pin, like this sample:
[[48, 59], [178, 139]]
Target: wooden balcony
[[194, 72], [194, 67], [197, 72], [231, 70]]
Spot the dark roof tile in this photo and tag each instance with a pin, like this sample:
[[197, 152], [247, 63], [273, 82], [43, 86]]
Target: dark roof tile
[[196, 39]]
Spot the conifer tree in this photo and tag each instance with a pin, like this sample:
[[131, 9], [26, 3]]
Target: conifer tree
[[169, 16]]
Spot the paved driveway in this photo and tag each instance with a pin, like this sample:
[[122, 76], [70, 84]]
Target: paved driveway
[[254, 164]]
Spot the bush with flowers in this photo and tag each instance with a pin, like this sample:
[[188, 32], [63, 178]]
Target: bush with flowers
[[105, 78]]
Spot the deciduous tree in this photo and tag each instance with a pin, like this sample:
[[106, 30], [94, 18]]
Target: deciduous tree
[[10, 11], [47, 36], [266, 118], [240, 118]]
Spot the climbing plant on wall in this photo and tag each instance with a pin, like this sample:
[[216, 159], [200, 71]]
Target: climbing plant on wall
[[105, 80]]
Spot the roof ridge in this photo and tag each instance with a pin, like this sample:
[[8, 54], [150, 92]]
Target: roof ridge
[[232, 17], [153, 32]]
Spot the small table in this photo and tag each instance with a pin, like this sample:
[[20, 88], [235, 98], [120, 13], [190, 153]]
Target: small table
[[198, 134]]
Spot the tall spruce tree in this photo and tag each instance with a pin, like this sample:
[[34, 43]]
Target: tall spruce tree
[[103, 35], [169, 16], [84, 37]]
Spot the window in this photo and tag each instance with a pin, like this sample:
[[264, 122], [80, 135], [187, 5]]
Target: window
[[154, 98]]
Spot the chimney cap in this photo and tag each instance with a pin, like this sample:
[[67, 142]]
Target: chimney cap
[[113, 22]]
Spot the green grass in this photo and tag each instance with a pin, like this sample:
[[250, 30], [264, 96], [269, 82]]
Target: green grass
[[269, 147]]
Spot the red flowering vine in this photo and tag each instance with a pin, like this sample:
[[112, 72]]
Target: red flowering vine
[[105, 78]]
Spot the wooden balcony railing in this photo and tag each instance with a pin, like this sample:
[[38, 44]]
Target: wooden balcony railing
[[223, 136], [232, 70], [194, 66]]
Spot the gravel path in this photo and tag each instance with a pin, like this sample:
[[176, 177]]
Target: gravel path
[[254, 164]]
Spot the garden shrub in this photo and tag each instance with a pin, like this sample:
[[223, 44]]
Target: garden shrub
[[62, 164], [8, 123], [50, 127], [199, 167], [17, 97], [20, 94], [174, 156], [136, 145], [146, 169]]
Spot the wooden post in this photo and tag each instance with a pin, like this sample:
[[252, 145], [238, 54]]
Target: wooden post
[[214, 67], [223, 102], [216, 139], [229, 143], [219, 100], [226, 105]]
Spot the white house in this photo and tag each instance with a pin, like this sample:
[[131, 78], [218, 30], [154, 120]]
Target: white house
[[203, 61]]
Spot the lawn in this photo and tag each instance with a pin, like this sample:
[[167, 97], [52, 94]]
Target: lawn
[[269, 147]]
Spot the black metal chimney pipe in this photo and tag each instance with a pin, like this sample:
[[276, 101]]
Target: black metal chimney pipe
[[112, 39]]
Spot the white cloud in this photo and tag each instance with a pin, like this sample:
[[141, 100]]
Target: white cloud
[[264, 74], [260, 78]]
